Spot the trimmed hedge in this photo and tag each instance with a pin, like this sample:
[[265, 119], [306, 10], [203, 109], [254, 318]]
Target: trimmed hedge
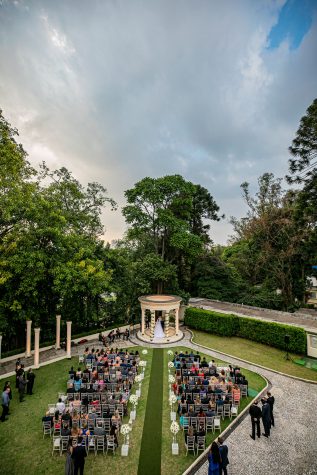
[[268, 333]]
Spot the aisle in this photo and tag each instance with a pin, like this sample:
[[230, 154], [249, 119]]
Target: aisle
[[151, 445]]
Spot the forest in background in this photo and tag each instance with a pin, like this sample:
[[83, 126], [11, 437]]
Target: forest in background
[[53, 260]]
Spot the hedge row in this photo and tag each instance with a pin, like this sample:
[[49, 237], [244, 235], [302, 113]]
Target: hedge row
[[268, 333]]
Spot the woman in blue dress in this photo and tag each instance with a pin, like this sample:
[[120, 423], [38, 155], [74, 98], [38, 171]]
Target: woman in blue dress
[[214, 459]]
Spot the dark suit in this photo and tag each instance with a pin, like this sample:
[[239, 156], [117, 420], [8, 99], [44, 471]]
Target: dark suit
[[256, 414], [78, 455], [270, 401], [266, 418], [223, 449]]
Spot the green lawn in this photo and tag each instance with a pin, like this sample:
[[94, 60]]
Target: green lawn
[[22, 446], [178, 464], [254, 352]]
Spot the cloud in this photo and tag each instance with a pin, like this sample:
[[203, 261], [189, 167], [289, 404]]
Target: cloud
[[116, 91]]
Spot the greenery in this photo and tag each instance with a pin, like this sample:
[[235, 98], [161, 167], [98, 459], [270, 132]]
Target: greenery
[[254, 352], [269, 333], [25, 428]]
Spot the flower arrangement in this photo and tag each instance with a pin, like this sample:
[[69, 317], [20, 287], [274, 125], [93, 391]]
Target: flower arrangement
[[134, 400], [125, 429], [142, 364], [171, 379], [144, 352], [170, 364], [138, 378], [172, 399], [174, 427], [170, 353]]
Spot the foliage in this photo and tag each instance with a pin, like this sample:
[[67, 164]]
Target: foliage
[[269, 333]]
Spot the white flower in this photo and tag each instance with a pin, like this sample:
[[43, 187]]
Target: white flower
[[138, 378], [142, 363], [170, 352], [172, 399], [174, 427], [171, 379], [133, 399], [125, 429], [144, 352], [170, 364]]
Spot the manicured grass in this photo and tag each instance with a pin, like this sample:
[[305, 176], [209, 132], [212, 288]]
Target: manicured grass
[[23, 448], [255, 352], [150, 453], [177, 464]]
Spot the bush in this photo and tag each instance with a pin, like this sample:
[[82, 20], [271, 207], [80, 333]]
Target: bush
[[268, 333]]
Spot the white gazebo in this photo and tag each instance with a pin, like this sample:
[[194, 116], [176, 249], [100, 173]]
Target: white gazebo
[[165, 306]]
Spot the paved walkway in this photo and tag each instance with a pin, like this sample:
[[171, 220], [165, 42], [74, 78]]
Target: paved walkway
[[308, 322], [291, 449]]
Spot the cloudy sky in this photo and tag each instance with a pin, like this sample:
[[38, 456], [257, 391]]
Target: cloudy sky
[[116, 90]]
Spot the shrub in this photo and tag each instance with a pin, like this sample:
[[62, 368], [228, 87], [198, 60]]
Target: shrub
[[268, 333]]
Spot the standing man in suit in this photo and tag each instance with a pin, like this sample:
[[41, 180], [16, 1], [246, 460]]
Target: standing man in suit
[[30, 383], [78, 456], [223, 449], [270, 399], [266, 417], [256, 414]]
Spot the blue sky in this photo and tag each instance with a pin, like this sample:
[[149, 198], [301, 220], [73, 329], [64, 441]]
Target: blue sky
[[117, 90], [294, 21]]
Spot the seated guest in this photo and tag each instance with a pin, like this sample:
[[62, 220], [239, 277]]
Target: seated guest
[[190, 433], [113, 431], [75, 417], [67, 418], [48, 418], [70, 389], [77, 383], [204, 363], [60, 406], [183, 416], [201, 413], [65, 431], [201, 432], [116, 419], [99, 430], [72, 373], [92, 416], [57, 421], [84, 430], [210, 412]]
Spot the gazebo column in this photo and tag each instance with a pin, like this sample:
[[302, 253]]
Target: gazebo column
[[58, 332], [176, 321], [152, 324], [37, 347], [142, 320], [69, 339], [167, 324], [28, 338]]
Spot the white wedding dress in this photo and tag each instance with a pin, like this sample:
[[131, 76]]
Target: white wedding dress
[[158, 330]]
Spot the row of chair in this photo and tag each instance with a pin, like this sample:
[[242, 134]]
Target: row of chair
[[195, 444], [97, 408], [93, 443]]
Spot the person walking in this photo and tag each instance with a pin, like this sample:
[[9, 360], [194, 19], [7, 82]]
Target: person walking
[[5, 404], [22, 383], [271, 400], [78, 456], [223, 449], [30, 381], [266, 417], [256, 414], [214, 459]]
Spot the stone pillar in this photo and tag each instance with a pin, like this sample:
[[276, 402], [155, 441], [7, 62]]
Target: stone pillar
[[142, 321], [152, 326], [69, 339], [0, 344], [37, 347], [58, 332], [176, 321], [28, 338], [167, 325]]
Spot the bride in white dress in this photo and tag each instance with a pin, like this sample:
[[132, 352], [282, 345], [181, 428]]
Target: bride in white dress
[[158, 330]]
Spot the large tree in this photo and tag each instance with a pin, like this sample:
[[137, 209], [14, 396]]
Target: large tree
[[167, 218]]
